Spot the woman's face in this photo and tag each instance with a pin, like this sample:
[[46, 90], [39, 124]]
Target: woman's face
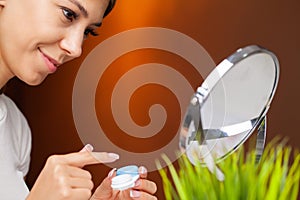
[[37, 36]]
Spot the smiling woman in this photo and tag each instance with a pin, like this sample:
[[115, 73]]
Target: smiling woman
[[36, 38], [52, 34]]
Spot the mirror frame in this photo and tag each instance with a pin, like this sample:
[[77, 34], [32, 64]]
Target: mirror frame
[[202, 94]]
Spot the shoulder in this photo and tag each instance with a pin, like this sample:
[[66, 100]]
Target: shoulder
[[6, 104], [9, 109], [3, 106], [12, 118], [16, 131]]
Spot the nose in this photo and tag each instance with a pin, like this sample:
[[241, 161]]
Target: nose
[[72, 44]]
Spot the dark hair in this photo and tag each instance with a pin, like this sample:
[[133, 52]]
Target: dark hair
[[109, 8]]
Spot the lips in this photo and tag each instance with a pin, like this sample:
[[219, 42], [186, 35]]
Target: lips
[[50, 62]]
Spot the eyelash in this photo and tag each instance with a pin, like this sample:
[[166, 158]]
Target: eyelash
[[91, 32], [71, 15]]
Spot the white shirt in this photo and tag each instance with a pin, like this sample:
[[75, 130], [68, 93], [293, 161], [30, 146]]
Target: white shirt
[[15, 146]]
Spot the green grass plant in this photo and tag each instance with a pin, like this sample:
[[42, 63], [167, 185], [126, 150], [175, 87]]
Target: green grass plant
[[275, 177]]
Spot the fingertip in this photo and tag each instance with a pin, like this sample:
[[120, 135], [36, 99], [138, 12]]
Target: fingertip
[[134, 193], [111, 173], [114, 156], [142, 170]]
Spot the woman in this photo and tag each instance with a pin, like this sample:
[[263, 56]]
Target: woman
[[36, 38]]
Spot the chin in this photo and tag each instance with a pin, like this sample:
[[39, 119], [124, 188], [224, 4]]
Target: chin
[[33, 80]]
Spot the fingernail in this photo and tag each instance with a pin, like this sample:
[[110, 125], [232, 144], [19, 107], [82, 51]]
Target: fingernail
[[114, 156], [142, 170], [89, 147], [110, 174], [134, 193], [137, 183]]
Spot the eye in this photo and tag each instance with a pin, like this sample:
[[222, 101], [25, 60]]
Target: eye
[[90, 31], [69, 14]]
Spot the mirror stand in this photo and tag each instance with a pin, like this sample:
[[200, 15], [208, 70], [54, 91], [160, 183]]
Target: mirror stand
[[261, 138]]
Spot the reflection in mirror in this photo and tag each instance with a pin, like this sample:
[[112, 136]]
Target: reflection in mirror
[[231, 103]]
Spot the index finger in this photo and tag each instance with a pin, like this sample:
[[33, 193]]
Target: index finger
[[80, 159]]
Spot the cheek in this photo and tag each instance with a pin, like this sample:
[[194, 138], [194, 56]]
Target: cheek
[[17, 49], [30, 29], [15, 34], [13, 44]]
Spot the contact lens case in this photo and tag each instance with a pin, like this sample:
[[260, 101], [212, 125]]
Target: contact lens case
[[125, 178]]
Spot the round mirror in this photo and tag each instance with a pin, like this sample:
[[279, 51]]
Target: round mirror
[[231, 103]]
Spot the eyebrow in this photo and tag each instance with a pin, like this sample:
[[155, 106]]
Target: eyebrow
[[84, 11], [80, 7]]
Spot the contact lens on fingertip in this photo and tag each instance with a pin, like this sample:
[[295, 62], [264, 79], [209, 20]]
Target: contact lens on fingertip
[[125, 178]]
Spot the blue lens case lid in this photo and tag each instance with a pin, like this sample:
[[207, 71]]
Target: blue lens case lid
[[125, 178], [132, 170]]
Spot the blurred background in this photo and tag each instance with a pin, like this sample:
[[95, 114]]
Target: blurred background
[[221, 27]]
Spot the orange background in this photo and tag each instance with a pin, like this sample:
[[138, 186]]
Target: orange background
[[219, 26]]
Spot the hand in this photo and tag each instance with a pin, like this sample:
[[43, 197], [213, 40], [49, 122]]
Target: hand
[[63, 178], [143, 190]]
